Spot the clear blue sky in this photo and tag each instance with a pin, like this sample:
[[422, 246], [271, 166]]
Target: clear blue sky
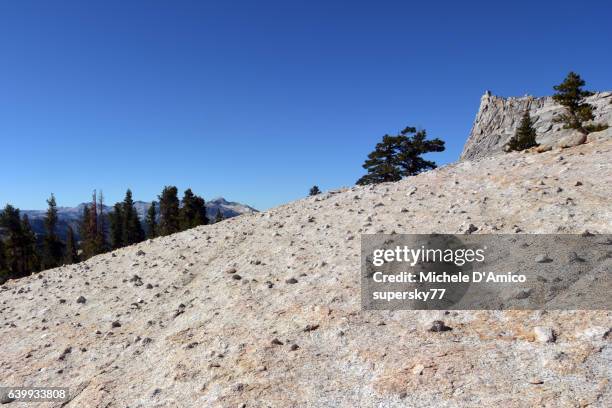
[[259, 100]]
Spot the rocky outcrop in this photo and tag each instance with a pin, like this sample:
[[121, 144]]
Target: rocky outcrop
[[264, 310], [498, 118]]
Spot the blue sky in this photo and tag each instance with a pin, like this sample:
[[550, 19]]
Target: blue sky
[[257, 101]]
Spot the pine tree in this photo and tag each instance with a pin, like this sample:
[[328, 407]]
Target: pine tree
[[31, 258], [199, 206], [85, 233], [169, 211], [4, 270], [71, 254], [52, 246], [314, 190], [92, 229], [10, 220], [400, 156], [132, 229], [571, 95], [219, 217], [193, 211], [115, 218], [151, 221], [101, 230], [525, 136], [187, 211]]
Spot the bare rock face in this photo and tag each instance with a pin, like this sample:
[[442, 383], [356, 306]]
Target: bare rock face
[[498, 119], [167, 324]]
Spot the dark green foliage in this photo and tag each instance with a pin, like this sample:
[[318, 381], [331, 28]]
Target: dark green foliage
[[85, 233], [4, 270], [187, 211], [31, 258], [596, 127], [314, 190], [219, 217], [125, 226], [88, 235], [71, 254], [200, 212], [571, 95], [102, 229], [169, 211], [52, 246], [151, 221], [400, 156], [92, 230], [193, 211], [19, 248], [132, 229], [115, 218], [525, 136]]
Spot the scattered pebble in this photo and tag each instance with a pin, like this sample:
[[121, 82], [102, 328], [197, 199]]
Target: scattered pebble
[[543, 258], [544, 334], [311, 327], [418, 369], [471, 228], [439, 326]]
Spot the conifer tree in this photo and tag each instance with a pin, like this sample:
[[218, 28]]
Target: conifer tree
[[199, 206], [20, 244], [193, 211], [4, 271], [132, 229], [188, 210], [71, 254], [116, 222], [31, 258], [85, 233], [52, 246], [169, 211], [314, 190], [92, 229], [525, 136], [93, 226], [219, 217], [11, 222], [571, 96], [400, 156], [101, 230], [151, 221]]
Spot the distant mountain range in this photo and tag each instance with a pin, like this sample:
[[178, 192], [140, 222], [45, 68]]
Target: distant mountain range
[[70, 216]]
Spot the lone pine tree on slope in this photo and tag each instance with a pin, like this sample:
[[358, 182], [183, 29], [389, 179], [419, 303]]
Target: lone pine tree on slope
[[571, 95], [399, 156], [525, 136]]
